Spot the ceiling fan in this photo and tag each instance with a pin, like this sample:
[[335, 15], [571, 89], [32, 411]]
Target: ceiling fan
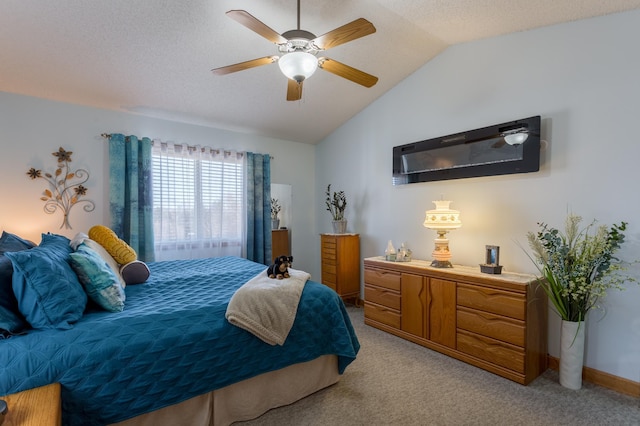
[[299, 49]]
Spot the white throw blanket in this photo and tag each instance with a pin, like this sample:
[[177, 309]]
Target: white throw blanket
[[267, 307]]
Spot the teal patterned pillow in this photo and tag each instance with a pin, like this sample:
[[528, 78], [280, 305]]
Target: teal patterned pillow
[[98, 279]]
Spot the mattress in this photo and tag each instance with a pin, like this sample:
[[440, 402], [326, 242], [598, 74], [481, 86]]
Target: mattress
[[172, 342]]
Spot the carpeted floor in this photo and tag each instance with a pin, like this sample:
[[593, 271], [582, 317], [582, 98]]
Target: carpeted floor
[[395, 382]]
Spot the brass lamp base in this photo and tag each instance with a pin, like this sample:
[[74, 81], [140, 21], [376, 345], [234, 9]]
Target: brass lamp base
[[441, 253], [441, 264]]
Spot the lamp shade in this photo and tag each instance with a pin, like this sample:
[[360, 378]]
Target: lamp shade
[[298, 66], [442, 218]]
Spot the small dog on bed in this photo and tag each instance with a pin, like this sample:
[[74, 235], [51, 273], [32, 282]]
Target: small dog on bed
[[280, 268]]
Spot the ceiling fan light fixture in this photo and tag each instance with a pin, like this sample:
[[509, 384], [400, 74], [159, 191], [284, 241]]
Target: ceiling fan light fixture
[[298, 66]]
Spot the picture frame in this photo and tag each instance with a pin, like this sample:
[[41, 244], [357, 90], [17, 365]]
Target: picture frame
[[492, 260]]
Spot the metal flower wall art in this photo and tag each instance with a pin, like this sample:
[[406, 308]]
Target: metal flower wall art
[[66, 187]]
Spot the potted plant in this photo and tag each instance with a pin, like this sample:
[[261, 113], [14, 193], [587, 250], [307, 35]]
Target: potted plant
[[336, 205], [275, 210], [578, 267]]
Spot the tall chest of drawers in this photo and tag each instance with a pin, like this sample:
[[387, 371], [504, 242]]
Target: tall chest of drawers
[[280, 243], [495, 322], [341, 264]]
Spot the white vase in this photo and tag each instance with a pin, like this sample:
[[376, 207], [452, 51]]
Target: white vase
[[571, 354], [339, 226]]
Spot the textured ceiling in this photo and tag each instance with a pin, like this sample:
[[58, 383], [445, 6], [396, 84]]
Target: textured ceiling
[[153, 57]]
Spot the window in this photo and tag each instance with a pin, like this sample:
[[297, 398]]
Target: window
[[198, 202]]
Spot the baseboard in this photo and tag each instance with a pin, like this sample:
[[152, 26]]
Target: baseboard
[[600, 378]]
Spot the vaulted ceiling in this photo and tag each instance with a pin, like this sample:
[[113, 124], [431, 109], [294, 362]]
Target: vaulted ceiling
[[154, 57]]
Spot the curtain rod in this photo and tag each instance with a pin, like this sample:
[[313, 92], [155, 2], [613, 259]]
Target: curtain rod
[[189, 147]]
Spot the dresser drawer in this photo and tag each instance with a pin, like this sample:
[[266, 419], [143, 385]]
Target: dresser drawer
[[382, 296], [501, 328], [491, 300], [328, 240], [491, 350], [330, 283], [328, 268], [329, 278], [329, 247], [382, 314], [380, 278], [329, 256]]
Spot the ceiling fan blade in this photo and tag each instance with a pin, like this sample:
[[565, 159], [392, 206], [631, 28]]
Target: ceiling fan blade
[[245, 65], [345, 71], [245, 18], [294, 90], [351, 31]]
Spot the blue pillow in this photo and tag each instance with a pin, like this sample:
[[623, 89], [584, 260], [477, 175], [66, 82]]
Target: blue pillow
[[98, 279], [11, 242], [11, 321], [48, 291]]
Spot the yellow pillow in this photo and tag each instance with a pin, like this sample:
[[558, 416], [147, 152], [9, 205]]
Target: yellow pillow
[[118, 249]]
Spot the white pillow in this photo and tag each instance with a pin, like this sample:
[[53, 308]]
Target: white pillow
[[77, 240], [107, 258]]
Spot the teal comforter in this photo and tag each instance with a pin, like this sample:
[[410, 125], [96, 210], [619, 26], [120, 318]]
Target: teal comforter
[[172, 342]]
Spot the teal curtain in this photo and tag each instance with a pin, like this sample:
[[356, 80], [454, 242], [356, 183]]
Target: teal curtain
[[130, 192], [258, 243]]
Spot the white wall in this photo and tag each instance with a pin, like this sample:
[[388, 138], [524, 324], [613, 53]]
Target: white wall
[[31, 129], [582, 78]]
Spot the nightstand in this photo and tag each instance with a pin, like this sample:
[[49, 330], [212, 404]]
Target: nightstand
[[34, 407]]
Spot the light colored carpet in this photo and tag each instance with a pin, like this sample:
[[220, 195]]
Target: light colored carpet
[[395, 382]]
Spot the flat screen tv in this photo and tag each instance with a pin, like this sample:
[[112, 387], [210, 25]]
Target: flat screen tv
[[506, 148]]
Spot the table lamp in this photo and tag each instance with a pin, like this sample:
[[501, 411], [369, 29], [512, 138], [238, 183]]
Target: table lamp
[[442, 219]]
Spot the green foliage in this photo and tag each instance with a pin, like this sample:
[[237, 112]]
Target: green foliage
[[578, 265], [336, 203], [275, 208]]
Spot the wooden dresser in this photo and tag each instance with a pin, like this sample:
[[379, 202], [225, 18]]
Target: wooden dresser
[[280, 243], [341, 264], [495, 322]]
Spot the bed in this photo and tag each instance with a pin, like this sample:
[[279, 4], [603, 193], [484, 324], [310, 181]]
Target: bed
[[171, 353]]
